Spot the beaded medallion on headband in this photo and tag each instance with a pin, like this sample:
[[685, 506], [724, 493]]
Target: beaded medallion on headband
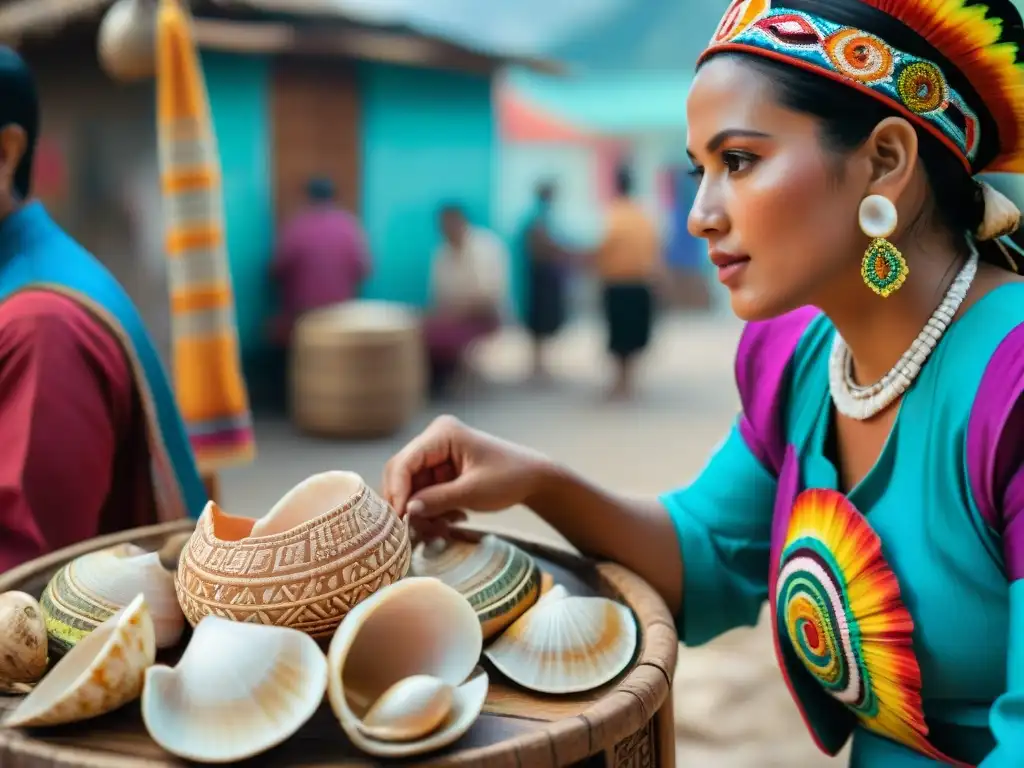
[[983, 47]]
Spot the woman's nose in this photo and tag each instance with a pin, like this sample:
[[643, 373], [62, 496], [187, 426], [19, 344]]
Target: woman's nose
[[707, 218]]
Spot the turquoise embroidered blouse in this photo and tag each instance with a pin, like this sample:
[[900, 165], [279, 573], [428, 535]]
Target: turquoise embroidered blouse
[[897, 609]]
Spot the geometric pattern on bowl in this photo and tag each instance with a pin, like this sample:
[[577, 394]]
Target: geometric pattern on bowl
[[307, 578]]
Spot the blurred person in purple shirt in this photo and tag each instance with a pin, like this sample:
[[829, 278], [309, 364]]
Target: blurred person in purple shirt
[[321, 258]]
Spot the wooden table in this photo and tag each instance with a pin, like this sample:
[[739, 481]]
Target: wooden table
[[626, 724]]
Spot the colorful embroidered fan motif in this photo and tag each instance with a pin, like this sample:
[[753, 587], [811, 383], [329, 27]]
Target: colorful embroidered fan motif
[[838, 604]]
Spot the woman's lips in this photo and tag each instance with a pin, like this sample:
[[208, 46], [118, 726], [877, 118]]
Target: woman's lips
[[730, 266]]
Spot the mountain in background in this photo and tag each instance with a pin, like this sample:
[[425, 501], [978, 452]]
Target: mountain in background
[[645, 35]]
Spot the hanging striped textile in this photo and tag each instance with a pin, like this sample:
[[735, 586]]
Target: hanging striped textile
[[208, 380]]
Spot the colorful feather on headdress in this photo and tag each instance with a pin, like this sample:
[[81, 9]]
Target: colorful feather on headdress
[[977, 39]]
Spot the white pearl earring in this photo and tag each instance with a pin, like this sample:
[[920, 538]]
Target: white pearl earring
[[878, 216], [883, 267]]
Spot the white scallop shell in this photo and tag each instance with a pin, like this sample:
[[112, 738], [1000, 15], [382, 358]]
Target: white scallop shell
[[566, 644], [417, 626], [112, 577], [101, 673], [239, 690]]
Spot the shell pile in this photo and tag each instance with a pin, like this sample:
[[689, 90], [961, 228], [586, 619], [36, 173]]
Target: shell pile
[[328, 544], [499, 579], [90, 589], [398, 692], [401, 673], [239, 690], [101, 673]]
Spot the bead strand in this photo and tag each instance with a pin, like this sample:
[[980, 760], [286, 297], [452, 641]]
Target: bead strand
[[863, 402]]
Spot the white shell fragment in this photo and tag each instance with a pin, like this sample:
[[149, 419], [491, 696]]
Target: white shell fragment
[[239, 690], [410, 709], [566, 644], [415, 627], [103, 672]]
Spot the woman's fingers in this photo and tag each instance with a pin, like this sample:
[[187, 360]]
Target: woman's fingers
[[412, 468]]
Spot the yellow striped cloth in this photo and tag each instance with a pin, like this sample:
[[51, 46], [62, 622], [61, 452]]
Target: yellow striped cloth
[[208, 380]]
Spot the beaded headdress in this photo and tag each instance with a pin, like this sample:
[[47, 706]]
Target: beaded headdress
[[969, 94]]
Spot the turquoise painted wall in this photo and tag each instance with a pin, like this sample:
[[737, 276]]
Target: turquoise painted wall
[[428, 137], [239, 93]]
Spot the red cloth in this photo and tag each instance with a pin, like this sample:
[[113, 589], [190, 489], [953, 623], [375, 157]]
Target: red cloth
[[321, 258], [74, 456]]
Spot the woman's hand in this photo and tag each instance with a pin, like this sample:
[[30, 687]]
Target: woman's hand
[[450, 468]]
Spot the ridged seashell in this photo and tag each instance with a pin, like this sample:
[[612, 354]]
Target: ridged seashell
[[1002, 216], [239, 690], [126, 42], [101, 673], [500, 580], [409, 710], [566, 644], [417, 626], [22, 639], [92, 588], [330, 543]]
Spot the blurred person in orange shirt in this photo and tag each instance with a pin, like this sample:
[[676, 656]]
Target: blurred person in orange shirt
[[627, 261]]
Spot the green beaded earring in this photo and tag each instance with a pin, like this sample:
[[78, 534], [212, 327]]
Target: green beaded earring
[[883, 268]]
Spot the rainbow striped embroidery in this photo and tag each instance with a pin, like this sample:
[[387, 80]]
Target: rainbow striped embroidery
[[856, 57], [838, 605]]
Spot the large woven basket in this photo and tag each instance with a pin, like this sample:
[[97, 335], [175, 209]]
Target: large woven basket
[[357, 370]]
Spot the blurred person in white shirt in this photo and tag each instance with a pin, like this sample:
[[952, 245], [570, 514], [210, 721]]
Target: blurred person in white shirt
[[469, 287]]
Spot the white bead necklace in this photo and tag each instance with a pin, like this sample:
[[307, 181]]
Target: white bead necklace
[[862, 403]]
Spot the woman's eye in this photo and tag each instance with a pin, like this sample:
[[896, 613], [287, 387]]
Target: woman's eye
[[735, 162], [695, 173]]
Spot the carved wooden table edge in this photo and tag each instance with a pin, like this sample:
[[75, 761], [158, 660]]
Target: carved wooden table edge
[[636, 716]]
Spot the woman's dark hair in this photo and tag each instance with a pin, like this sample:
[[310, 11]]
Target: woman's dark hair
[[848, 116]]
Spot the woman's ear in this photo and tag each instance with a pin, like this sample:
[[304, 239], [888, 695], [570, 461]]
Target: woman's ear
[[13, 143], [891, 150]]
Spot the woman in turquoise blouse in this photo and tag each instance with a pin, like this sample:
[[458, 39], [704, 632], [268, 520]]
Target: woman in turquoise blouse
[[872, 489]]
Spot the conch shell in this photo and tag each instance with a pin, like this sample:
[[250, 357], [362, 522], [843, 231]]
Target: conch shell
[[415, 627], [239, 690], [330, 543], [499, 579], [566, 644], [22, 640], [101, 673], [92, 588]]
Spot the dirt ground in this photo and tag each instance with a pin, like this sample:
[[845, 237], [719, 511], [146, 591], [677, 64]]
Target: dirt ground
[[732, 708]]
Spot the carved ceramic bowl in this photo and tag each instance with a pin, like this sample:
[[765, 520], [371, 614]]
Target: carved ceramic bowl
[[326, 546]]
